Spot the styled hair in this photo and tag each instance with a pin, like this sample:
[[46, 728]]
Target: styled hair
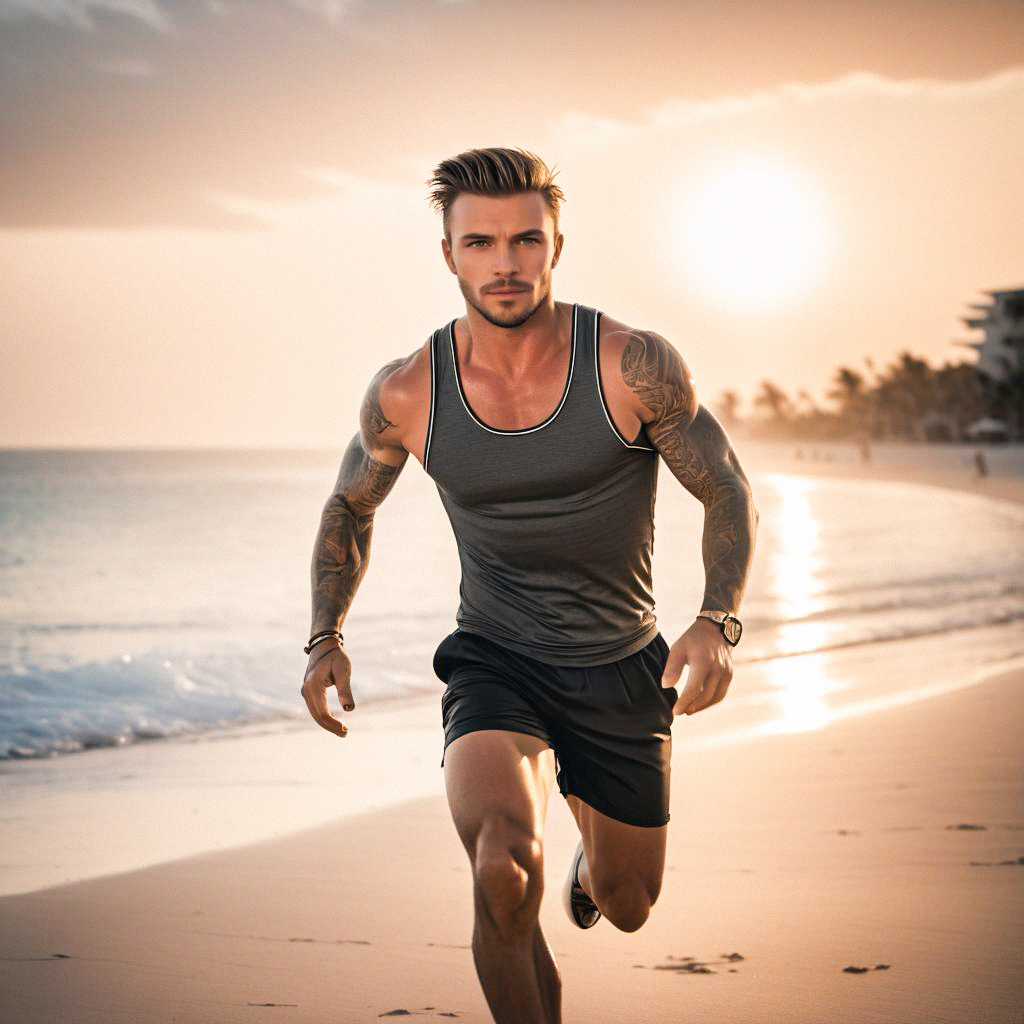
[[492, 172]]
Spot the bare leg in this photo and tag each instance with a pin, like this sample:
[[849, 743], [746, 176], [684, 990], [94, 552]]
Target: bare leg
[[498, 785], [548, 979], [622, 865]]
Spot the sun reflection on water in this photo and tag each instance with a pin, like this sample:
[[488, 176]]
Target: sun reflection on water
[[800, 683]]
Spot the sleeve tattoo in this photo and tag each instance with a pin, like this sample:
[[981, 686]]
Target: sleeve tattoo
[[698, 452], [342, 548]]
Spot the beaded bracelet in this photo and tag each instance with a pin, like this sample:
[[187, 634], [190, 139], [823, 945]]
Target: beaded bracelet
[[317, 637]]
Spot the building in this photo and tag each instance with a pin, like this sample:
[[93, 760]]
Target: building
[[1002, 321]]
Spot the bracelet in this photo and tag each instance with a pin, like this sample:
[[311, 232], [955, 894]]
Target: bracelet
[[323, 635]]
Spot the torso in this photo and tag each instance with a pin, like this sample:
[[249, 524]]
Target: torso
[[506, 404]]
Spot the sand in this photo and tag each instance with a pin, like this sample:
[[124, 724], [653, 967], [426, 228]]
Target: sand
[[891, 838], [891, 843]]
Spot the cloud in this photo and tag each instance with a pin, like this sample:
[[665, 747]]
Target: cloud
[[676, 114], [80, 12]]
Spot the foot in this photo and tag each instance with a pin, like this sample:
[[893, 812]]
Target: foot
[[582, 910]]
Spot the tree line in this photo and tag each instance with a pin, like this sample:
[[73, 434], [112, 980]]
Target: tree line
[[909, 400]]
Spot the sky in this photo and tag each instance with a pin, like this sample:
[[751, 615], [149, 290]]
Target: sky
[[213, 215]]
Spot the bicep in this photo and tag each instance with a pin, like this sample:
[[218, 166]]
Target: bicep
[[375, 455], [659, 381]]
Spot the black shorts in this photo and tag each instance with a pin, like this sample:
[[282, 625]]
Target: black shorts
[[609, 725]]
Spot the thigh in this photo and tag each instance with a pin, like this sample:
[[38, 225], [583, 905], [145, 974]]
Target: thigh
[[617, 852], [499, 782]]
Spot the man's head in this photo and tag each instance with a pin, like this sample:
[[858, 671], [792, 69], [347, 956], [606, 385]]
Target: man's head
[[500, 212]]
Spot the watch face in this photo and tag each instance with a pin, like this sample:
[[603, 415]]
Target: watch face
[[733, 630]]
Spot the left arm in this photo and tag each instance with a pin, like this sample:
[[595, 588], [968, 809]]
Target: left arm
[[700, 455]]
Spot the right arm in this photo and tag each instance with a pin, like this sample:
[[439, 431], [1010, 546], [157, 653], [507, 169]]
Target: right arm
[[369, 468]]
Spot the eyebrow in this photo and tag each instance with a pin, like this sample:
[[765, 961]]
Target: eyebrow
[[474, 236]]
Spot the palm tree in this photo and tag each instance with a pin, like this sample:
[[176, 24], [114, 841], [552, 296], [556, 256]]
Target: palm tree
[[776, 404]]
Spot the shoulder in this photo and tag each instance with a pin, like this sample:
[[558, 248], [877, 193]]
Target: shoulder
[[397, 397], [648, 369]]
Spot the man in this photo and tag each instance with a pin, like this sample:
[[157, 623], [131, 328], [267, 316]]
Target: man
[[542, 424]]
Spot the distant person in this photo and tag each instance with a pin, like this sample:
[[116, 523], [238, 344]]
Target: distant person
[[981, 464], [865, 452], [542, 423]]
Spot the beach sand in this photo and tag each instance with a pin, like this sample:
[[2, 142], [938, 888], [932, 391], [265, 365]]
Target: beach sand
[[895, 838]]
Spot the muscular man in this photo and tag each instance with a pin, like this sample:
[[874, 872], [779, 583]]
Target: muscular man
[[542, 424]]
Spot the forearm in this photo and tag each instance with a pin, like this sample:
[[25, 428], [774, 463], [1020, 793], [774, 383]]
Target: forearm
[[702, 459], [727, 546], [342, 549], [340, 558]]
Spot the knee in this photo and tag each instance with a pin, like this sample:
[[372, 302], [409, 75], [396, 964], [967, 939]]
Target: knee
[[508, 879], [626, 903]]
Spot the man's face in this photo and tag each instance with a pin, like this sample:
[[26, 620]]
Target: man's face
[[502, 250]]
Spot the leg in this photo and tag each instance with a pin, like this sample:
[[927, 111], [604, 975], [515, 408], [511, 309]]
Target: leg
[[622, 864], [498, 784]]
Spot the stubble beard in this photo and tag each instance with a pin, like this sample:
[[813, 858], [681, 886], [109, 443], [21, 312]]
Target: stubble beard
[[517, 320]]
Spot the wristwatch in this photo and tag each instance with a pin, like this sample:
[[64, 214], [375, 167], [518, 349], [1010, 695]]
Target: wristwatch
[[732, 628]]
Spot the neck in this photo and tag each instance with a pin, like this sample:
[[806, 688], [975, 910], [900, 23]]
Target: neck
[[513, 349]]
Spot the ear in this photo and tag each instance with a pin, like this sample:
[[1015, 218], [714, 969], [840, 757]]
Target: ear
[[446, 250], [559, 239]]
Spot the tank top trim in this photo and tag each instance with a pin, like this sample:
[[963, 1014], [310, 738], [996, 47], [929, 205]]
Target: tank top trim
[[433, 399], [525, 430], [600, 391]]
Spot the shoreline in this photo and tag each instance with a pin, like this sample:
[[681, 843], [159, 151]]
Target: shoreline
[[181, 803], [946, 466]]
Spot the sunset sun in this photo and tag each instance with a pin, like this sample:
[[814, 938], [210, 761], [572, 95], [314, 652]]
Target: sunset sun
[[753, 233]]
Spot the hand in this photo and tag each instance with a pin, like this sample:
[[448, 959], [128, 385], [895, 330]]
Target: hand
[[707, 652], [328, 666]]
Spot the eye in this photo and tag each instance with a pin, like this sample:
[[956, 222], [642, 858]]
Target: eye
[[476, 242]]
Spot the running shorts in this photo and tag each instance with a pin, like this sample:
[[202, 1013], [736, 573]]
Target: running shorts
[[609, 725]]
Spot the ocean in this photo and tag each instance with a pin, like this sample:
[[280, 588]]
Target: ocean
[[150, 595]]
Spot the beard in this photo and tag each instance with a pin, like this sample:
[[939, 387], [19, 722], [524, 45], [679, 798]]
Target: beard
[[509, 321]]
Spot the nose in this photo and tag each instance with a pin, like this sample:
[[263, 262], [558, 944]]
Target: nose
[[506, 263]]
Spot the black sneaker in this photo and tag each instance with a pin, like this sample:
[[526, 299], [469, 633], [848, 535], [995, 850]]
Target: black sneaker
[[582, 910]]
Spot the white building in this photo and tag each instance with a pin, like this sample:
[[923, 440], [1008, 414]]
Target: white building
[[1002, 322]]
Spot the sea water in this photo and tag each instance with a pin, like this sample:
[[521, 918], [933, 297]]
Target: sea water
[[146, 595]]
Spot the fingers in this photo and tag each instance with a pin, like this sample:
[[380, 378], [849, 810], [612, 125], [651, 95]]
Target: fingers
[[332, 669], [316, 700], [706, 685]]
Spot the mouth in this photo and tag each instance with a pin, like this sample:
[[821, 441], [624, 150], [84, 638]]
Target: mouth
[[506, 291]]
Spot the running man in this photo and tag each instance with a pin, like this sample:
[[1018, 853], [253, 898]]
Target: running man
[[542, 424]]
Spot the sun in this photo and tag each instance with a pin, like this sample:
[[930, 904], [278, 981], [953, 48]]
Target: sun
[[753, 234]]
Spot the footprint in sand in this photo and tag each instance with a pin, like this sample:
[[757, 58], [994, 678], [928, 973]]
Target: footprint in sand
[[688, 965], [400, 1012]]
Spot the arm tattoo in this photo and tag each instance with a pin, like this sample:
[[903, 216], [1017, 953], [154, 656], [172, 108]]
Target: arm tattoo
[[342, 549], [698, 451]]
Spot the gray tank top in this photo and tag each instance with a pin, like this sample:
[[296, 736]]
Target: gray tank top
[[554, 523]]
